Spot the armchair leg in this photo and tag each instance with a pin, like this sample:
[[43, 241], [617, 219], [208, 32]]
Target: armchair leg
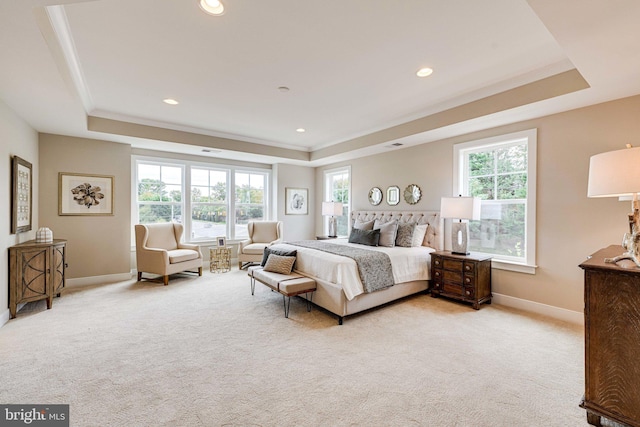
[[139, 276], [199, 271], [165, 279]]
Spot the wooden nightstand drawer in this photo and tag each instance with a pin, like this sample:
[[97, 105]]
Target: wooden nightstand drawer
[[469, 267], [453, 276], [464, 278], [452, 264], [452, 289], [469, 292]]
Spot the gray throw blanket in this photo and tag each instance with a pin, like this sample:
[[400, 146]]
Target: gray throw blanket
[[374, 267]]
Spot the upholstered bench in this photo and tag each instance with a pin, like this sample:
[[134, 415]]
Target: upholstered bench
[[288, 285]]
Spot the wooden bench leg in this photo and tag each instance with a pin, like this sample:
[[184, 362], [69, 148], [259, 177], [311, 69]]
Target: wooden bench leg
[[139, 276]]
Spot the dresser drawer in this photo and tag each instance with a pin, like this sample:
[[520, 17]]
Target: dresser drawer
[[469, 267], [452, 276], [452, 288], [452, 264]]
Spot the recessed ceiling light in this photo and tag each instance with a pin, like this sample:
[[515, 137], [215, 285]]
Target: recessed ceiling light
[[301, 130], [283, 89], [170, 101], [212, 7], [424, 72]]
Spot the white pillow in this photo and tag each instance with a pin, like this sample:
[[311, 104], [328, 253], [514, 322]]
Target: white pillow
[[388, 232], [418, 234], [363, 225]]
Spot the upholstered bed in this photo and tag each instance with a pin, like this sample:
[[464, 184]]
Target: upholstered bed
[[339, 288]]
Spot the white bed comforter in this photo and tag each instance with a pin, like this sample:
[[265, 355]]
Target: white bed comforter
[[408, 264]]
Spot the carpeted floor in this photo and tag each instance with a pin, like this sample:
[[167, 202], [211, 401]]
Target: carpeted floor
[[205, 352]]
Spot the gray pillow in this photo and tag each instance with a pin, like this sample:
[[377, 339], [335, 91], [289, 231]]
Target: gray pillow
[[364, 237], [282, 252], [388, 232], [405, 234]]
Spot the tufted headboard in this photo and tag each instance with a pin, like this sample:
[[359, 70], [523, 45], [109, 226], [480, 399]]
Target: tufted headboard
[[434, 237]]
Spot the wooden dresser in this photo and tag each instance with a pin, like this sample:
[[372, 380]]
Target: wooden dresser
[[462, 277], [36, 271], [612, 339]]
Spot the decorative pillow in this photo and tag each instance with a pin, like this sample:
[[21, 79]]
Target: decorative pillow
[[268, 251], [388, 232], [363, 225], [405, 234], [364, 237], [418, 234], [279, 264]]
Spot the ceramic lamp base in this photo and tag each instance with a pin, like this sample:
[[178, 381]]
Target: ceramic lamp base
[[459, 233]]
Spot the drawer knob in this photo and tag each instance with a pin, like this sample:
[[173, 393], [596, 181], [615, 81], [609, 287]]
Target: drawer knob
[[437, 262], [437, 273], [437, 285], [468, 293], [467, 280], [467, 267]]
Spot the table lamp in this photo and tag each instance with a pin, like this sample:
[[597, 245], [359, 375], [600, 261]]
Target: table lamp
[[332, 209], [617, 174], [461, 208]]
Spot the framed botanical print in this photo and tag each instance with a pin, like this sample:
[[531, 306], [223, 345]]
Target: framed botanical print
[[80, 194], [21, 195], [296, 201]]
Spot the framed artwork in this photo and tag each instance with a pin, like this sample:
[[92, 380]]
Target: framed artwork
[[80, 194], [21, 195], [296, 201], [222, 241]]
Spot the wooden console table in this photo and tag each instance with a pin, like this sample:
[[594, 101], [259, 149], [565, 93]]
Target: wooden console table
[[36, 271], [612, 339]]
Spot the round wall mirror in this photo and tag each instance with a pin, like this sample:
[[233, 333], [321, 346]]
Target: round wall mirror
[[375, 196], [393, 195], [412, 194]]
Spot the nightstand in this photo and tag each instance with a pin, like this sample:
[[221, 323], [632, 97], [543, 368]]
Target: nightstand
[[462, 277], [325, 237]]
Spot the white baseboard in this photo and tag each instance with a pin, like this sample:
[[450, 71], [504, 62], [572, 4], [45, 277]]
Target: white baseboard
[[4, 317], [98, 280], [563, 314]]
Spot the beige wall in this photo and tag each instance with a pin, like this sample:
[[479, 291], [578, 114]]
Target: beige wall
[[96, 245], [18, 139], [295, 227], [569, 225]]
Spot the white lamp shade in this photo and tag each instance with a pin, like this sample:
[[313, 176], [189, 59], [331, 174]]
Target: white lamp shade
[[331, 208], [615, 173], [460, 207]]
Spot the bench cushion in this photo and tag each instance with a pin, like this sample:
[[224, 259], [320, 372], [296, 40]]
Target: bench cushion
[[272, 279], [295, 286]]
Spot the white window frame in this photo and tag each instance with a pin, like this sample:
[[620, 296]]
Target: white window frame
[[328, 195], [186, 193], [460, 186]]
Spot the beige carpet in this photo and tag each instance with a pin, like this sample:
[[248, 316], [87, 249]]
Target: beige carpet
[[205, 352]]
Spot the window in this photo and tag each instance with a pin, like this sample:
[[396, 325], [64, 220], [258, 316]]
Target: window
[[159, 193], [501, 171], [200, 197], [250, 197], [337, 188], [209, 203]]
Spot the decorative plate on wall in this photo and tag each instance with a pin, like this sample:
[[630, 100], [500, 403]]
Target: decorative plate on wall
[[375, 196], [412, 194]]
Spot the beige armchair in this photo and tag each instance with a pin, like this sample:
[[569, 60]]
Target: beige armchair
[[159, 251], [261, 235]]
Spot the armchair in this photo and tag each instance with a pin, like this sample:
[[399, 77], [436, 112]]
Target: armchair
[[261, 235], [159, 251]]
